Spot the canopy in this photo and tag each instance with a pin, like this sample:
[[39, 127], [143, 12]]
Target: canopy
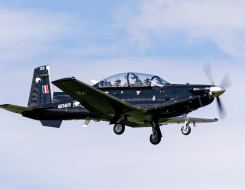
[[132, 80]]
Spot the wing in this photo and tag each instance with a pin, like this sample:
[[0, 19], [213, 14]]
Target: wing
[[191, 120], [96, 101], [15, 109]]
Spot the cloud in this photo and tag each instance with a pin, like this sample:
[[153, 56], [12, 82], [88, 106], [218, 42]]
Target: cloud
[[222, 22], [99, 50], [26, 33]]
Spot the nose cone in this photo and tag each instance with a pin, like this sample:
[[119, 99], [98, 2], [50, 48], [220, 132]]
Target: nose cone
[[216, 91]]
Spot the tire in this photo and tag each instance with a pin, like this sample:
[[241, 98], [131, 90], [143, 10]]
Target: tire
[[119, 128], [186, 132], [156, 139]]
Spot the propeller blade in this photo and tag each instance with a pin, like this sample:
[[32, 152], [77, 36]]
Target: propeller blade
[[208, 71], [220, 108], [217, 90], [226, 81]]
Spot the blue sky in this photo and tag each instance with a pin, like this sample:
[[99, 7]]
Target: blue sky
[[95, 39], [106, 27]]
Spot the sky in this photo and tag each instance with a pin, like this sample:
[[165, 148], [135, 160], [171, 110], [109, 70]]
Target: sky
[[95, 39]]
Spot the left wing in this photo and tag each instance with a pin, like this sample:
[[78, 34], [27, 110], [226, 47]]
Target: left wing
[[191, 120]]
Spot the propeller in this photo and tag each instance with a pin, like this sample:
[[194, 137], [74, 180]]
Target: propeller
[[216, 91]]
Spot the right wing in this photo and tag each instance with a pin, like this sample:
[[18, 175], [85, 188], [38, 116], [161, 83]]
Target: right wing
[[96, 101]]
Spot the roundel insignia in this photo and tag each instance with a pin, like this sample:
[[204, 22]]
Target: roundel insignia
[[38, 80]]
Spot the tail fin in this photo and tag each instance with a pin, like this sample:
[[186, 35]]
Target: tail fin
[[41, 90]]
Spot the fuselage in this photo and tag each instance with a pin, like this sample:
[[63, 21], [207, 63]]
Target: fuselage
[[171, 99]]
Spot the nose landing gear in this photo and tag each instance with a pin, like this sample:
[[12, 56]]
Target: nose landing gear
[[186, 129]]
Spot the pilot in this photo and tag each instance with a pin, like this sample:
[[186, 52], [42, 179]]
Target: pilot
[[105, 83], [147, 81], [137, 81], [108, 84], [117, 83]]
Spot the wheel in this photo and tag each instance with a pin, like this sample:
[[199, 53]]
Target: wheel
[[155, 139], [119, 128], [186, 130]]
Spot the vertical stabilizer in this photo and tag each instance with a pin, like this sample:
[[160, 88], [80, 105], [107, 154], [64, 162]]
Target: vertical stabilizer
[[41, 89]]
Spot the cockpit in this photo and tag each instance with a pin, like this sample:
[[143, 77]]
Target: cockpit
[[131, 80]]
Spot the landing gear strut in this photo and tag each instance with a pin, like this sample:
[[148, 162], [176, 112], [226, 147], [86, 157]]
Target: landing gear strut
[[186, 129], [156, 135], [119, 128]]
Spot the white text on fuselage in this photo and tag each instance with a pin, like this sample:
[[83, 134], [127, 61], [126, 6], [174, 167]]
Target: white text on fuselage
[[67, 105]]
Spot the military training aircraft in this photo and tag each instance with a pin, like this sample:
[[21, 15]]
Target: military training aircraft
[[132, 99]]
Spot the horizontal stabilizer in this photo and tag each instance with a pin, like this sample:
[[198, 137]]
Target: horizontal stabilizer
[[15, 109], [51, 123]]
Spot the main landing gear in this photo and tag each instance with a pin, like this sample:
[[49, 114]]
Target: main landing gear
[[156, 135], [186, 129], [119, 128]]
